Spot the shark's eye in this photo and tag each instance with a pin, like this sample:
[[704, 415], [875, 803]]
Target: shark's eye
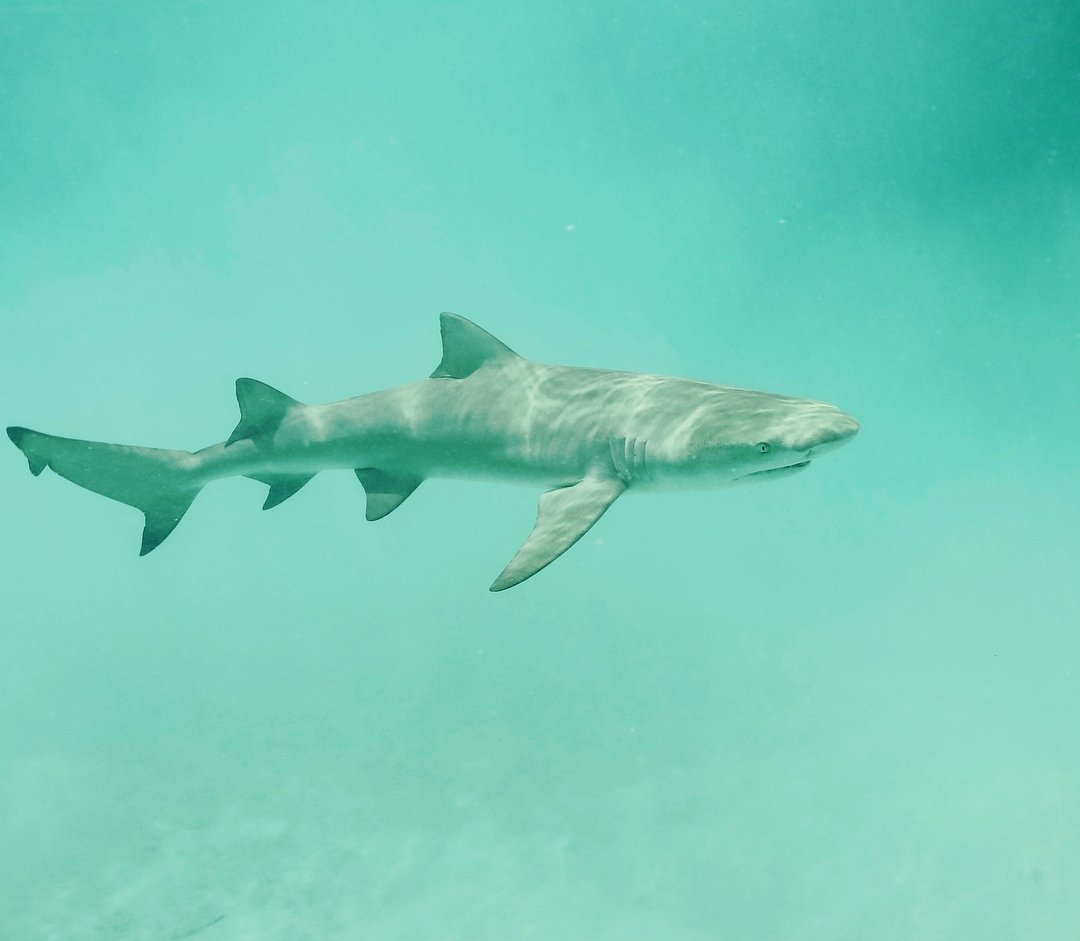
[[763, 447]]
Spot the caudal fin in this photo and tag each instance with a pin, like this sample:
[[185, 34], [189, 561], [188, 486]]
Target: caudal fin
[[156, 481]]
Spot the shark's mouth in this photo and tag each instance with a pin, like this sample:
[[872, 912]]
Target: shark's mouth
[[787, 468]]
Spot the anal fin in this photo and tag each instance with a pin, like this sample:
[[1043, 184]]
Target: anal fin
[[562, 518], [282, 486], [385, 491]]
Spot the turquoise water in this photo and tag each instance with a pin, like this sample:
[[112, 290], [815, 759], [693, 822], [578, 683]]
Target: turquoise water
[[839, 706]]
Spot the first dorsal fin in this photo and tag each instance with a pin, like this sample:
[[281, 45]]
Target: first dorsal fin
[[262, 408], [466, 347]]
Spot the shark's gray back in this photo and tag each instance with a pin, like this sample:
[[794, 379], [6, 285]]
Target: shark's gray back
[[551, 424]]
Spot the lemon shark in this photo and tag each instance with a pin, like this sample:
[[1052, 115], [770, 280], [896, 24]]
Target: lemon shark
[[584, 435]]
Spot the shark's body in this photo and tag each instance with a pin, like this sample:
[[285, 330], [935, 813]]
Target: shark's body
[[585, 435]]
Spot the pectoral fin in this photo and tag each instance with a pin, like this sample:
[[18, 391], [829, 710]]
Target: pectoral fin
[[563, 517]]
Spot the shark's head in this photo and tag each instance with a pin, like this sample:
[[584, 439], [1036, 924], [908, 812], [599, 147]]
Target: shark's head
[[754, 436]]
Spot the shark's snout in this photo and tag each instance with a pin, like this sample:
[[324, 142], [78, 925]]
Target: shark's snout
[[845, 427], [839, 428]]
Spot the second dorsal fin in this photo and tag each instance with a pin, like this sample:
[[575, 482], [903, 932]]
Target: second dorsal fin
[[262, 408], [467, 347]]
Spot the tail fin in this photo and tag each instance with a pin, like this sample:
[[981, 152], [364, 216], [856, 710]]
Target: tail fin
[[158, 482]]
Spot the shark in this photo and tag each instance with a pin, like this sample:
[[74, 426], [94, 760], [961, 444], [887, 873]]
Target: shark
[[584, 436]]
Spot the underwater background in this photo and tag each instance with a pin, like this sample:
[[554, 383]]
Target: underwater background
[[843, 705]]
